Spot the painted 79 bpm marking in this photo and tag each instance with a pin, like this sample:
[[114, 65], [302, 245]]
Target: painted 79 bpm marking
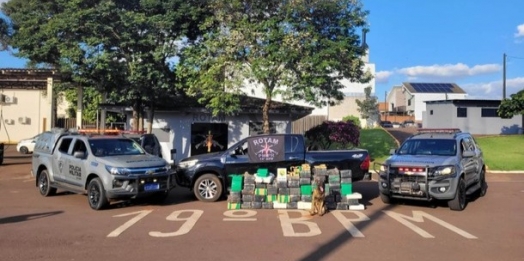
[[186, 220]]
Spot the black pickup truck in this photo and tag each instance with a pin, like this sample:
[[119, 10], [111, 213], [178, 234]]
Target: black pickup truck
[[207, 174]]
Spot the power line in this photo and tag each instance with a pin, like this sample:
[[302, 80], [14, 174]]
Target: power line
[[515, 57]]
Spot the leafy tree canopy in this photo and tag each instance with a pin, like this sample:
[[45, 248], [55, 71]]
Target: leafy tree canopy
[[513, 106], [120, 47], [297, 49]]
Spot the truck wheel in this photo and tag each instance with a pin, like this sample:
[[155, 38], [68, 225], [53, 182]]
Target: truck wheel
[[459, 202], [386, 198], [208, 188], [483, 185], [24, 150], [96, 195], [44, 185]]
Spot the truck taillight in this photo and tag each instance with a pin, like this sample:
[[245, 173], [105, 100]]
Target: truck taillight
[[365, 164]]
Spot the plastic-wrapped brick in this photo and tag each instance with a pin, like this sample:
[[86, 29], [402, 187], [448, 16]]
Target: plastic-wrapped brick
[[267, 205], [294, 198], [248, 198], [256, 205], [294, 191], [247, 205], [345, 173]]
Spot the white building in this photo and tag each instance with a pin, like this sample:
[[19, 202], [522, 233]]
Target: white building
[[410, 98]]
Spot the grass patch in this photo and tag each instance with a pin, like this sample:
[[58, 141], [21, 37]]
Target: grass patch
[[503, 152], [378, 142]]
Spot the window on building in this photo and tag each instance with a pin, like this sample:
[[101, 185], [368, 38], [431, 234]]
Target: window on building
[[409, 102], [430, 112], [462, 112], [489, 112]]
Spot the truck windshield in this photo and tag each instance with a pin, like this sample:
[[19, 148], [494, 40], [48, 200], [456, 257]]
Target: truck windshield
[[115, 147], [439, 147]]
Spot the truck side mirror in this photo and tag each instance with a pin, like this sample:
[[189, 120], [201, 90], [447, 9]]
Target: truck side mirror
[[468, 154], [173, 155], [392, 151], [79, 154]]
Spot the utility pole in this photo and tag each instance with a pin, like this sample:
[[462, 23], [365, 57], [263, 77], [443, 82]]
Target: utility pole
[[504, 76], [386, 107]]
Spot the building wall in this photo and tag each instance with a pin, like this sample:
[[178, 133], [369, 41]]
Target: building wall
[[396, 100], [418, 103], [445, 116], [349, 107], [24, 115], [173, 129]]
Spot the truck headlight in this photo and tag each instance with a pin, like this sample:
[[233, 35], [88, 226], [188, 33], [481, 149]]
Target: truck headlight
[[444, 171], [187, 164], [117, 170]]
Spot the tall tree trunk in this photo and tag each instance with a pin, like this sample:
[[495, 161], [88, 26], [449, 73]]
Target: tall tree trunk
[[136, 114], [265, 114], [150, 117]]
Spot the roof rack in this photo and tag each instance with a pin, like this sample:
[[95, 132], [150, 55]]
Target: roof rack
[[437, 130]]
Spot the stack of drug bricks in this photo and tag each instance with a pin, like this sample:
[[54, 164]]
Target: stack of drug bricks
[[292, 189], [338, 187]]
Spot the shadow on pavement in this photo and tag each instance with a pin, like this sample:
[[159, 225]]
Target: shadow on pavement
[[28, 217], [342, 238]]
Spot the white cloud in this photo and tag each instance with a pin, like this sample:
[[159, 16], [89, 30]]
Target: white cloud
[[449, 70], [493, 90], [383, 76], [520, 31], [3, 1]]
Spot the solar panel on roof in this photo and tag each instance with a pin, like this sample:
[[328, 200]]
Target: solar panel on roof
[[432, 87]]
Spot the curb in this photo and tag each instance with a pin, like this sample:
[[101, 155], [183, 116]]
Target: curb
[[505, 171]]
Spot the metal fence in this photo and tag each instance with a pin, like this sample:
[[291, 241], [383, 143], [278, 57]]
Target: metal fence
[[70, 123], [302, 125]]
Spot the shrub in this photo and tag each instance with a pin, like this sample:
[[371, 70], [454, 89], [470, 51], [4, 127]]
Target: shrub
[[323, 136], [354, 119]]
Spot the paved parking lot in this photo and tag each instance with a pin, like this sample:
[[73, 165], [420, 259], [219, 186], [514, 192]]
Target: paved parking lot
[[63, 227]]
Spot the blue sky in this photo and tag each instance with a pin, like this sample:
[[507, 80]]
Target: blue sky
[[460, 41]]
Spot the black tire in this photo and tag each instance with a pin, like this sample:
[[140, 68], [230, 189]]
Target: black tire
[[44, 184], [24, 150], [386, 199], [208, 188], [460, 201], [96, 195], [483, 185]]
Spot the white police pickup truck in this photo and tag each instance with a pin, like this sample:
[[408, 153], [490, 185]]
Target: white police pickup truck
[[106, 168], [434, 164]]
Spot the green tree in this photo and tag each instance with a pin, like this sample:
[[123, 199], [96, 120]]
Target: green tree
[[298, 50], [513, 106], [118, 47], [368, 107], [352, 118], [4, 34]]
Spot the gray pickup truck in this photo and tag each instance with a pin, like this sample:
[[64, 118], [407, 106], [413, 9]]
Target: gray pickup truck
[[106, 168], [434, 164]]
